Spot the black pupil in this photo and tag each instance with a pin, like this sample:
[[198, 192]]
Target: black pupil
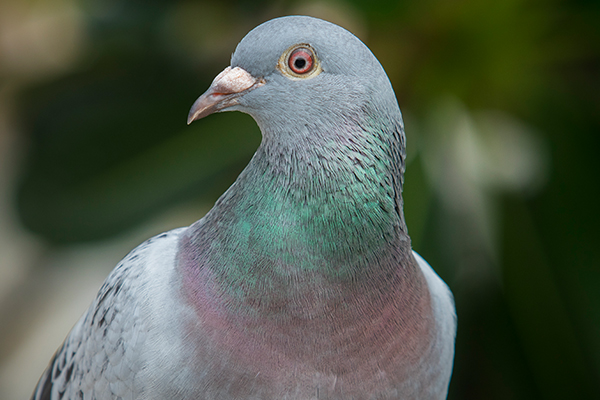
[[299, 63]]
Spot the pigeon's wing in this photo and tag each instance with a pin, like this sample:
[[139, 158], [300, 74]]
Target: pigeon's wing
[[103, 352], [443, 300], [444, 313]]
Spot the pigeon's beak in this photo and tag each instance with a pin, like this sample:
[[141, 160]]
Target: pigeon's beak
[[224, 92]]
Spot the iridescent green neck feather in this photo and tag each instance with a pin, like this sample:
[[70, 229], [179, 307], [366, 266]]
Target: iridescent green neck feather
[[324, 209]]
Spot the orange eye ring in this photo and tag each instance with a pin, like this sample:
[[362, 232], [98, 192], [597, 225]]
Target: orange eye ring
[[301, 61]]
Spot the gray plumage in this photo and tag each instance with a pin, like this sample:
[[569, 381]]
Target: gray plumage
[[300, 283]]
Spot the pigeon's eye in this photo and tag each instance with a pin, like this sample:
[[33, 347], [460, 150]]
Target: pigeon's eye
[[299, 62]]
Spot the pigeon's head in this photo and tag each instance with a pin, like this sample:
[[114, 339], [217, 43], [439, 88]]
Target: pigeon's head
[[299, 72]]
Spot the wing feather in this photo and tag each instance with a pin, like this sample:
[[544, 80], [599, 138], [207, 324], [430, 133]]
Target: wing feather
[[101, 353]]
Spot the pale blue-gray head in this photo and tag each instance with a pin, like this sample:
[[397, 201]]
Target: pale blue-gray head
[[299, 71]]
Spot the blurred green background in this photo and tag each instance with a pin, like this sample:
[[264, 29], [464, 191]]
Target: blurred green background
[[501, 101]]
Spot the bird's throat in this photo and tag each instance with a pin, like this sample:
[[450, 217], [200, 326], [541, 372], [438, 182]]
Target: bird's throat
[[298, 224]]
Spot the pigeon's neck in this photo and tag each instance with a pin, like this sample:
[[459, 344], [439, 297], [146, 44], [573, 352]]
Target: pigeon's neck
[[307, 252], [328, 201], [323, 209]]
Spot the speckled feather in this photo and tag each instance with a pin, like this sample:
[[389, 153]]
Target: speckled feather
[[300, 283], [104, 351]]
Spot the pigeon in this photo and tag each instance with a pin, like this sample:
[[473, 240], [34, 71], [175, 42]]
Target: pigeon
[[300, 282]]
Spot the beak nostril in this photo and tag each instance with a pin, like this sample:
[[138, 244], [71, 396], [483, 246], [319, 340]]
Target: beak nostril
[[223, 92]]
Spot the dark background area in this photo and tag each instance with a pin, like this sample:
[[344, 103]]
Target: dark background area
[[501, 101]]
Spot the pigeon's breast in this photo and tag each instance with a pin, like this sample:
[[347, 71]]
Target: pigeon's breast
[[353, 347]]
